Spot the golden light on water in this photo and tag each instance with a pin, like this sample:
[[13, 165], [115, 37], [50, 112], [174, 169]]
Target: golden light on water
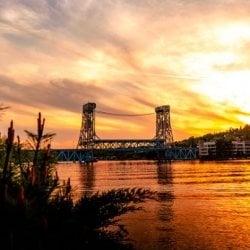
[[199, 204]]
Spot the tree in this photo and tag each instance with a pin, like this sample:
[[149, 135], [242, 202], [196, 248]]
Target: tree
[[37, 211], [223, 149]]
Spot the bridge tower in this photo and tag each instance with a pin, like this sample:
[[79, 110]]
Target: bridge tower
[[163, 126], [87, 131]]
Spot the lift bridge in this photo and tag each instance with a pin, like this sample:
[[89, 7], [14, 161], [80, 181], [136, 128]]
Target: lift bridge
[[160, 147]]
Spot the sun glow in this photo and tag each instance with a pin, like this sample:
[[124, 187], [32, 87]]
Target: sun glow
[[231, 88], [204, 63], [232, 34], [244, 119]]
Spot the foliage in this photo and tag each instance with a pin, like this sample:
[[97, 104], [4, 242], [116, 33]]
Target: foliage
[[232, 134], [223, 149], [37, 211], [85, 224]]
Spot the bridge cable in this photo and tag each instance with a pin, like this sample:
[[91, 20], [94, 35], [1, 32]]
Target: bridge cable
[[117, 114]]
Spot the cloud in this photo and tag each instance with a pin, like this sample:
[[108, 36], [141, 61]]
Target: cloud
[[62, 93], [127, 56], [68, 94]]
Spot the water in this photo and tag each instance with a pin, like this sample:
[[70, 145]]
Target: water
[[200, 206]]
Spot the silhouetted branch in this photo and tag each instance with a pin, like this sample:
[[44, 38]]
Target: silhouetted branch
[[9, 144]]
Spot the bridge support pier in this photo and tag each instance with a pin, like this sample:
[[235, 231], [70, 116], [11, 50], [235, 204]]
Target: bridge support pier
[[87, 131], [163, 126]]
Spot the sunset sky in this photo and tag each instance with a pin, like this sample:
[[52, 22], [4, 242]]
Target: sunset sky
[[128, 57]]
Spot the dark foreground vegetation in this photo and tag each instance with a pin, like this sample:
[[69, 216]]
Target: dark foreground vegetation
[[37, 210]]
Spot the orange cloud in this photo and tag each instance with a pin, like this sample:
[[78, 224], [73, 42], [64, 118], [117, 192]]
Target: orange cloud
[[128, 57]]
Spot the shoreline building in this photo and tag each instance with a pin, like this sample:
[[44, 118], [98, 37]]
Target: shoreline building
[[209, 149], [241, 148]]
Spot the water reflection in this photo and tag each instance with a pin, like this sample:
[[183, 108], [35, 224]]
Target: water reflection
[[87, 178], [199, 206], [165, 209], [164, 173]]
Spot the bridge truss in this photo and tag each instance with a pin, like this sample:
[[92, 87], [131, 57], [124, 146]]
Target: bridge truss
[[72, 155], [89, 140], [89, 155], [163, 125], [161, 146], [127, 144]]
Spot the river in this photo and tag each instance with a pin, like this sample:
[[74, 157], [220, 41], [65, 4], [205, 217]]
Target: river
[[201, 205]]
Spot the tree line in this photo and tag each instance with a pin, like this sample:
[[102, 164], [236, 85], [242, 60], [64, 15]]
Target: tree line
[[232, 134]]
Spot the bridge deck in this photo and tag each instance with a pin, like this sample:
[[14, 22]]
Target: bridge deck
[[88, 155]]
